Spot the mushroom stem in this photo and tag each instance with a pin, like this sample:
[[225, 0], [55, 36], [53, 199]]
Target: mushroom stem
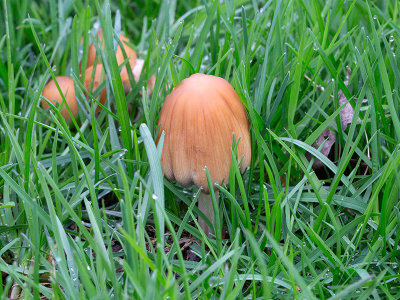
[[206, 207]]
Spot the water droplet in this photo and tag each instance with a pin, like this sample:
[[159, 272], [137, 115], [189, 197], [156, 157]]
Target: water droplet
[[19, 114], [54, 68], [155, 197], [391, 38], [88, 268], [315, 46], [375, 17]]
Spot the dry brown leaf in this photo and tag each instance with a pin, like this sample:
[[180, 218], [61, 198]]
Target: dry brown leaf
[[330, 137], [346, 114]]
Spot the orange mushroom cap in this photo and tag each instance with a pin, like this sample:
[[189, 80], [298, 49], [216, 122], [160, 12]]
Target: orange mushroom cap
[[99, 77], [130, 53], [136, 71], [51, 92], [199, 118]]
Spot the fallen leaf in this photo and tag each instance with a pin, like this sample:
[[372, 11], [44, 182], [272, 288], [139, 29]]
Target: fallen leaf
[[346, 114], [330, 137]]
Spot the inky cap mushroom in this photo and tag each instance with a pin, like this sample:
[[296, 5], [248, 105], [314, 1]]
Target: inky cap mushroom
[[130, 53], [199, 118], [67, 87], [99, 77]]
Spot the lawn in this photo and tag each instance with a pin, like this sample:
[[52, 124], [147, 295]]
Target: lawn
[[85, 210]]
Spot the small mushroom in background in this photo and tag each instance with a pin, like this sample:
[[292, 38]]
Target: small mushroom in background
[[199, 119], [99, 77], [136, 71], [130, 53], [135, 64], [67, 87]]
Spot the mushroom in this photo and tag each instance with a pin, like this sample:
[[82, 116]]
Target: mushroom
[[67, 87], [199, 119], [135, 64], [99, 77], [136, 71], [130, 53]]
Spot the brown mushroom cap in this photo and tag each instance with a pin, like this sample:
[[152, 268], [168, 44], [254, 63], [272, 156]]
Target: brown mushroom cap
[[130, 53], [51, 92], [199, 118], [136, 71], [99, 77]]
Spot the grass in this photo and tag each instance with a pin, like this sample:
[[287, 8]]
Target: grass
[[85, 211]]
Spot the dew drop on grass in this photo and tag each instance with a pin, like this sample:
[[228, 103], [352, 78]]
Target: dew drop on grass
[[88, 268], [375, 17], [391, 38], [155, 197], [316, 48], [54, 68]]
